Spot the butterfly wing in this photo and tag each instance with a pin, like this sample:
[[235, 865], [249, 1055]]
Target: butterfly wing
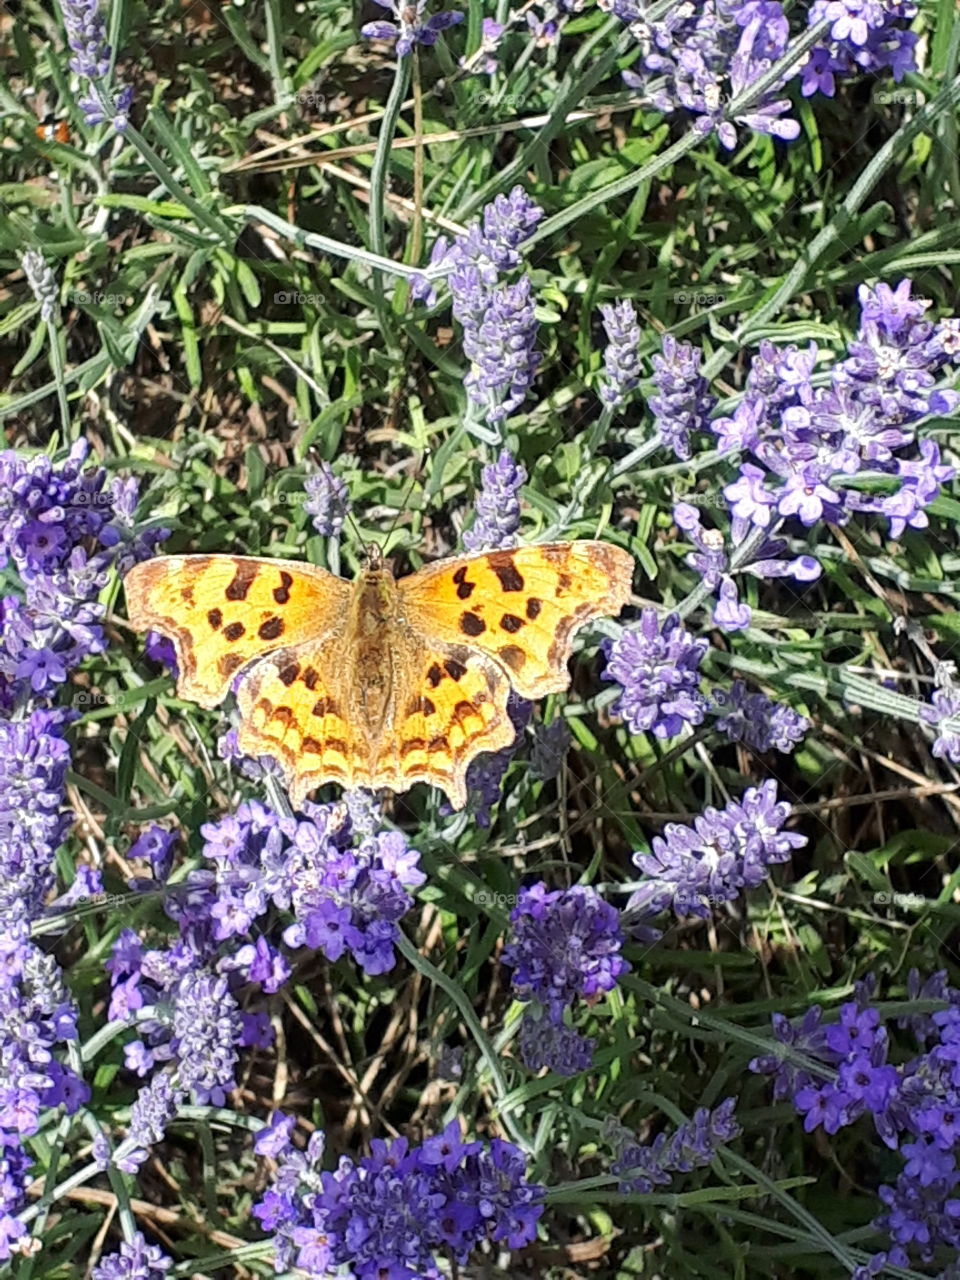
[[448, 704], [521, 607], [221, 612]]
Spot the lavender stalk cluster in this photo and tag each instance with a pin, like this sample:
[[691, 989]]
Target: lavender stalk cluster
[[811, 444], [691, 869], [345, 884], [61, 529], [410, 26], [91, 60], [701, 57], [397, 1211], [683, 402], [328, 500], [498, 319], [621, 356], [566, 948], [642, 1167], [835, 1073], [498, 506]]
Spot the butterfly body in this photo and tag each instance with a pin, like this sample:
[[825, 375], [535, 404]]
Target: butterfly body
[[382, 682]]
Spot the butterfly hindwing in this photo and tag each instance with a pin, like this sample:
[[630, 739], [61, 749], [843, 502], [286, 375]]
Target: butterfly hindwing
[[222, 611], [522, 607]]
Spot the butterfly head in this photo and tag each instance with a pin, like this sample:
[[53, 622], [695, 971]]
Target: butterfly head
[[373, 558]]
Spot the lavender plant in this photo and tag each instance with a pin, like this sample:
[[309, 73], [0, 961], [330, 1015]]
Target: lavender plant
[[679, 277]]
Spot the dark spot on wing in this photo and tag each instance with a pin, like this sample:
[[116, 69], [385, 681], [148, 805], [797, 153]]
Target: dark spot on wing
[[321, 706], [533, 607], [513, 657], [428, 707], [228, 663], [282, 593], [242, 581], [471, 625], [464, 588], [270, 629], [463, 711], [564, 583], [234, 631], [215, 618], [506, 571], [413, 744], [186, 593], [337, 744], [310, 678], [454, 669], [438, 743], [311, 747], [434, 676], [289, 673], [510, 622], [283, 714]]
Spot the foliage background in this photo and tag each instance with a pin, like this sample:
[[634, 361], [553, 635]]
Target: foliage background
[[208, 346]]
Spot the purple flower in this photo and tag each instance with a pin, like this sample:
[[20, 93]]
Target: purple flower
[[554, 1045], [700, 56], [944, 713], [135, 1260], [328, 500], [498, 506], [642, 1167], [33, 762], [42, 281], [621, 357], [155, 1106], [657, 670], [566, 945], [410, 28], [498, 321], [91, 60], [756, 721], [683, 402], [500, 342], [392, 1213], [156, 846], [692, 868]]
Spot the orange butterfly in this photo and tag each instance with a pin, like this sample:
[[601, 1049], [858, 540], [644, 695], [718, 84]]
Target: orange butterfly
[[380, 682]]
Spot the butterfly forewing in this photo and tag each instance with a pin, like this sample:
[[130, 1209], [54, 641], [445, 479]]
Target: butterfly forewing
[[522, 607], [221, 612]]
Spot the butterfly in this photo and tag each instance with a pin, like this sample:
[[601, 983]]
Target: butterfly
[[52, 130], [380, 682]]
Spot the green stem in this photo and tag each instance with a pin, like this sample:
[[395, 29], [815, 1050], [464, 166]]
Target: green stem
[[467, 1012], [379, 177], [220, 229], [59, 377], [310, 239]]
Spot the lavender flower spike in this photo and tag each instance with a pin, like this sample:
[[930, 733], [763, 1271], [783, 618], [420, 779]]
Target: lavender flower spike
[[410, 28], [621, 359], [328, 500], [500, 342], [92, 58], [42, 281], [498, 506], [684, 403]]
